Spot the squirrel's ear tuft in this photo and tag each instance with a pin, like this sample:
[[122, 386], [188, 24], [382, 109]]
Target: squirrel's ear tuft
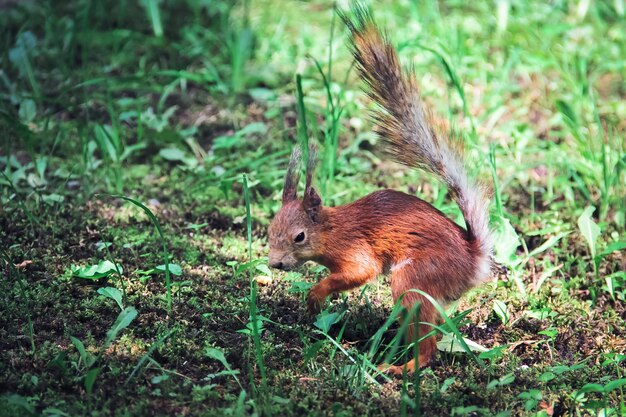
[[310, 167], [312, 203], [292, 178]]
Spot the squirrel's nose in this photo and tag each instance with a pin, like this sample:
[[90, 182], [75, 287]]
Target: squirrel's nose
[[277, 265]]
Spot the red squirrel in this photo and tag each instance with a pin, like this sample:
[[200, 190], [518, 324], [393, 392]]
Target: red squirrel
[[387, 231]]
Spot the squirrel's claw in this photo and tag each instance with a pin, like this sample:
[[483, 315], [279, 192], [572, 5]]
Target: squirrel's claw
[[314, 302], [408, 367], [392, 369]]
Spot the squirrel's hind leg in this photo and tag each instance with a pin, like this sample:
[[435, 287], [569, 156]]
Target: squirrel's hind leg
[[402, 281]]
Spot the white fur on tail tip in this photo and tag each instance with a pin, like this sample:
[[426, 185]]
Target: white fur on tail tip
[[483, 270], [475, 208]]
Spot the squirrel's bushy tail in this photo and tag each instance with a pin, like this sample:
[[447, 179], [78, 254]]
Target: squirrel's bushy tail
[[411, 134]]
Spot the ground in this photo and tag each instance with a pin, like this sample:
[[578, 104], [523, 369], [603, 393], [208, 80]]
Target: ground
[[190, 109]]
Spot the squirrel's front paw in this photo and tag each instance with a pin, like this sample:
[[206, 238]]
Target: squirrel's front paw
[[315, 301], [408, 367]]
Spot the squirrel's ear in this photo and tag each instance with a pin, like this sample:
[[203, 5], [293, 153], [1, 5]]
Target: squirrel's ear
[[293, 177], [312, 203]]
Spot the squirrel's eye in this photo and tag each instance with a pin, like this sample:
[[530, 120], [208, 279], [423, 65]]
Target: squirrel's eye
[[299, 238]]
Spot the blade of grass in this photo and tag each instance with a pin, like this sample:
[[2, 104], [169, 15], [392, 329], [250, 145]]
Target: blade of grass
[[303, 137], [417, 374], [254, 314], [494, 177], [166, 262], [154, 15]]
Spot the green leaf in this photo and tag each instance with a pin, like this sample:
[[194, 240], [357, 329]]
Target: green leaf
[[501, 310], [589, 229], [507, 379], [28, 110], [613, 359], [124, 319], [547, 376], [264, 269], [506, 242], [532, 398], [559, 369], [592, 388], [107, 140], [174, 269], [470, 410], [502, 381], [551, 332], [94, 272], [299, 287], [159, 378], [112, 293], [52, 199], [580, 365], [613, 247], [494, 353], [493, 384], [447, 383], [326, 320], [230, 141], [24, 45], [218, 355], [262, 94], [449, 343], [80, 347], [253, 128], [90, 379], [172, 154], [250, 326], [225, 142], [614, 385], [541, 313]]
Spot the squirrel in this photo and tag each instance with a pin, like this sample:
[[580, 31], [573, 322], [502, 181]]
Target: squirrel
[[387, 231]]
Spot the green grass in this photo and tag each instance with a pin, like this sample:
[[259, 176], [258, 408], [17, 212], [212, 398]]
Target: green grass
[[191, 109]]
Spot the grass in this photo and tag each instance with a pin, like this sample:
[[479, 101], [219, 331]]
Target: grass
[[166, 259], [190, 109]]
